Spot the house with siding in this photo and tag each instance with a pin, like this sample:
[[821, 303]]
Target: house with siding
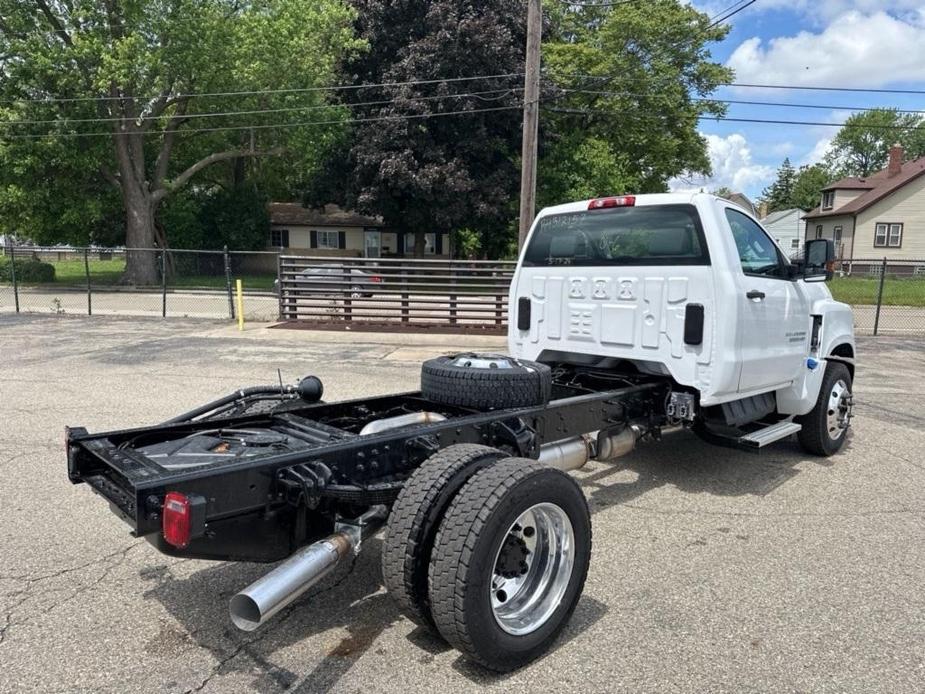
[[332, 231], [881, 215], [786, 226]]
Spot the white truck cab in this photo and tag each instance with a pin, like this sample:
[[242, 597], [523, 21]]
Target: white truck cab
[[688, 286]]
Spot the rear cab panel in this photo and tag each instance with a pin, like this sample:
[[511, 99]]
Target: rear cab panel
[[617, 282]]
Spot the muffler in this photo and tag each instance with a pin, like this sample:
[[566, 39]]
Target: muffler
[[573, 453], [253, 606]]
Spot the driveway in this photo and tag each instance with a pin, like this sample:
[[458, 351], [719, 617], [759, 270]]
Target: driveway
[[712, 570]]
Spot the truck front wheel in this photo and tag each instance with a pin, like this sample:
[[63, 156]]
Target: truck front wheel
[[825, 428], [509, 562]]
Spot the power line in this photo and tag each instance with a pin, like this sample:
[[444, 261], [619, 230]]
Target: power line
[[823, 89], [269, 126], [299, 90], [756, 85], [738, 102], [478, 95], [769, 121], [714, 21]]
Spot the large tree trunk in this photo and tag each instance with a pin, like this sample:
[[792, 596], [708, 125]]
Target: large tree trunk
[[141, 266], [139, 204], [420, 243]]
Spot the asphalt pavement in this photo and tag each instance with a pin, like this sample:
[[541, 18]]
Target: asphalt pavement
[[712, 570]]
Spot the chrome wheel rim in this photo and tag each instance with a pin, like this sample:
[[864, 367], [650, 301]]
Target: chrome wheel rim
[[356, 293], [838, 410], [532, 569]]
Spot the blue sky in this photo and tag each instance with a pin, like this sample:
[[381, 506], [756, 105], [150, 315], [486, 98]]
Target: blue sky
[[828, 43]]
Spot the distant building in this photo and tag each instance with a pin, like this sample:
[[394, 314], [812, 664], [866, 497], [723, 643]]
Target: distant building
[[787, 227], [882, 215], [336, 232], [742, 201]]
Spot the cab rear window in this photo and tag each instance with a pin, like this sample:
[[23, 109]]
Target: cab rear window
[[647, 235]]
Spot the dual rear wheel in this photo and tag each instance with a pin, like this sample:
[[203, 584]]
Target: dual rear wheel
[[490, 552]]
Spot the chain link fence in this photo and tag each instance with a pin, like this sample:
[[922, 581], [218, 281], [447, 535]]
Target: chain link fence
[[887, 296], [172, 283]]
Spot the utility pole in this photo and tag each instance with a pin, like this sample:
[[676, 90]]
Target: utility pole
[[531, 119]]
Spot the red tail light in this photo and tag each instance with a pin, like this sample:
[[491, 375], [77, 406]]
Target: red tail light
[[177, 519], [618, 201], [375, 278]]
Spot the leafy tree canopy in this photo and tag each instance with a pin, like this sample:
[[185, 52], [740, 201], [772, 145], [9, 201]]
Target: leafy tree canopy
[[104, 104], [623, 110], [862, 146], [808, 185], [779, 195], [420, 169]]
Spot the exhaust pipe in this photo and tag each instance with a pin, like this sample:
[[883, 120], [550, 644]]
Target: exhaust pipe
[[402, 420], [253, 606], [573, 453]]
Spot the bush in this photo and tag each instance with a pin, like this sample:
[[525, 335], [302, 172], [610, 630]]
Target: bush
[[28, 271]]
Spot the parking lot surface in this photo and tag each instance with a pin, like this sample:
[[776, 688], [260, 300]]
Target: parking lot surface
[[712, 570]]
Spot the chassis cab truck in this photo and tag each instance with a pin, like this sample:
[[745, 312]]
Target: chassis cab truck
[[629, 315]]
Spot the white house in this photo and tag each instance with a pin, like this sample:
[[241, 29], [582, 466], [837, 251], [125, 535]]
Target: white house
[[787, 227]]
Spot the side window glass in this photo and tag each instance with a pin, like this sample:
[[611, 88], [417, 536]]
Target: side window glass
[[757, 253]]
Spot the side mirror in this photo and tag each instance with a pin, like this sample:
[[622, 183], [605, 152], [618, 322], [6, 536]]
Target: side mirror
[[818, 260]]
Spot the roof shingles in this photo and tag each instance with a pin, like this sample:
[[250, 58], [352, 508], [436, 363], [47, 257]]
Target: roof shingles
[[878, 186]]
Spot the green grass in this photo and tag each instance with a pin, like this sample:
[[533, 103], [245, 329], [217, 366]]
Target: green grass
[[101, 271], [863, 290], [109, 272]]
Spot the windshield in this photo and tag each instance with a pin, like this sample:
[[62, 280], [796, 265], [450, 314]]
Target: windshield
[[647, 235]]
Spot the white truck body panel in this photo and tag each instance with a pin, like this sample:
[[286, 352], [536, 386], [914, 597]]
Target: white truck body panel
[[637, 313]]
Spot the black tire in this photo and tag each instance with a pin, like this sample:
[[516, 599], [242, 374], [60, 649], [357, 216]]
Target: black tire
[[449, 381], [817, 435], [468, 543], [415, 519]]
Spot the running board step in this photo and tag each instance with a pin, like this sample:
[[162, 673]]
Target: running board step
[[770, 434]]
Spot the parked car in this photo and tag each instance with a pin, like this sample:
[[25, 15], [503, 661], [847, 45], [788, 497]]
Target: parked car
[[335, 280]]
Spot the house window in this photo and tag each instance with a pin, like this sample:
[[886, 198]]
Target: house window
[[430, 244], [328, 239], [888, 235], [794, 244], [818, 231], [828, 200], [279, 238]]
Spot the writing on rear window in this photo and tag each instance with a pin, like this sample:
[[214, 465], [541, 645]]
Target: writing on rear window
[[657, 235]]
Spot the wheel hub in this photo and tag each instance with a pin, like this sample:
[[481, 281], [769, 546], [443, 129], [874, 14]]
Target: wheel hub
[[512, 561], [839, 409], [532, 569]]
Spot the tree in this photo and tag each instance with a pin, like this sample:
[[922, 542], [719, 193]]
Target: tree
[[862, 146], [418, 162], [99, 94], [779, 195], [808, 185], [629, 83]]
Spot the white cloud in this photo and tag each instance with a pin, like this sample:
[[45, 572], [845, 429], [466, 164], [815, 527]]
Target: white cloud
[[733, 167], [818, 152], [856, 49]]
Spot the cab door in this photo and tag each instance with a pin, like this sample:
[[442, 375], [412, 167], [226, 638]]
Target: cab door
[[774, 323]]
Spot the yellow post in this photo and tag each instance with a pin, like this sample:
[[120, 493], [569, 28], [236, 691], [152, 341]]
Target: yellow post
[[240, 304]]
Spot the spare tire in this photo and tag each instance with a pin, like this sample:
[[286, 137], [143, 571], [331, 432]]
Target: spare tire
[[485, 381]]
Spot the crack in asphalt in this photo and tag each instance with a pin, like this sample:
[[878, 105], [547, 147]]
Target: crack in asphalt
[[31, 583], [285, 615]]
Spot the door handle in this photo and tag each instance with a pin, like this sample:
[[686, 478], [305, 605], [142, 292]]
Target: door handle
[[754, 294]]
